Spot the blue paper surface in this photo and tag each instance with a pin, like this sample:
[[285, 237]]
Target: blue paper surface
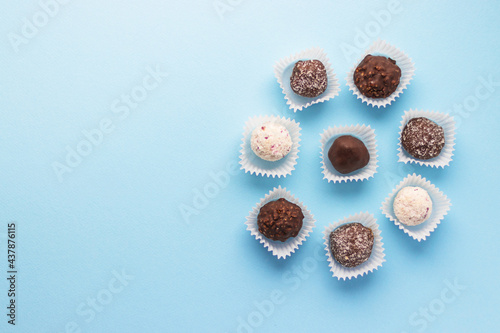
[[120, 136]]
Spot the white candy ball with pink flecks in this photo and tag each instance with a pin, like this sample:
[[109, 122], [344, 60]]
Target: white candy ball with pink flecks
[[271, 141], [412, 205]]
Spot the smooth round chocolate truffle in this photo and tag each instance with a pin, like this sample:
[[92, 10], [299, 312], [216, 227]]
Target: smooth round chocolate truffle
[[271, 142], [280, 219], [377, 76], [422, 138], [348, 154], [309, 78], [412, 205], [351, 244]]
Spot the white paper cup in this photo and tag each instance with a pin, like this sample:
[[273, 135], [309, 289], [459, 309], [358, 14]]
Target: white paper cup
[[382, 48], [440, 207], [376, 258], [283, 71], [286, 248], [442, 119], [363, 133], [254, 164]]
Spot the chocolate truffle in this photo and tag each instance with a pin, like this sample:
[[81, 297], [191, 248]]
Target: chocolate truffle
[[348, 154], [271, 142], [412, 205], [377, 76], [309, 78], [280, 219], [351, 244], [422, 138]]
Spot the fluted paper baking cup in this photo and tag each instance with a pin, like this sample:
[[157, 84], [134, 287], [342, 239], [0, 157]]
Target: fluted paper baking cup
[[363, 133], [286, 248], [252, 163], [382, 48], [440, 207], [376, 258], [283, 71], [442, 119]]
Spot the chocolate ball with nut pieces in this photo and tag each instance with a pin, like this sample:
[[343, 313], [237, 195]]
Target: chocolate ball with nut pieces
[[377, 76], [280, 219]]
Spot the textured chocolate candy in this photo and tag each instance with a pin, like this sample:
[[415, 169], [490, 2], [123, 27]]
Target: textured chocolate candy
[[422, 138], [348, 154], [351, 244], [280, 219], [377, 76], [309, 78]]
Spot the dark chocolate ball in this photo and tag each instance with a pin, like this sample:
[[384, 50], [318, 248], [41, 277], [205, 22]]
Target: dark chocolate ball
[[348, 154], [280, 219], [351, 244], [309, 78], [377, 76], [422, 138]]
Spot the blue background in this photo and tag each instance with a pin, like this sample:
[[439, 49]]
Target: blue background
[[119, 210]]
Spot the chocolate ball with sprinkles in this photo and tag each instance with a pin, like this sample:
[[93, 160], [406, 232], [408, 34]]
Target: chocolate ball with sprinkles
[[412, 205], [351, 244], [422, 138], [309, 78], [271, 141], [280, 219], [377, 76]]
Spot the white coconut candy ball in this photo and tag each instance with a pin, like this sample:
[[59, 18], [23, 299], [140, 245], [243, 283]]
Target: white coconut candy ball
[[412, 205]]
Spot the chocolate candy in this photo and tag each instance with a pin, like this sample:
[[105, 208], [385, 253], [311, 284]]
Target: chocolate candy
[[280, 219], [422, 138], [377, 76], [309, 78], [351, 244], [348, 154]]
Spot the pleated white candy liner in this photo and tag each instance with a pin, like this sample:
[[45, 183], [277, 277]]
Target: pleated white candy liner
[[376, 258], [253, 164], [382, 48], [440, 207], [363, 133], [442, 119], [278, 248], [283, 71]]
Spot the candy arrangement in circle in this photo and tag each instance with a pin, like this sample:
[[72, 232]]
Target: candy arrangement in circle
[[270, 147]]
